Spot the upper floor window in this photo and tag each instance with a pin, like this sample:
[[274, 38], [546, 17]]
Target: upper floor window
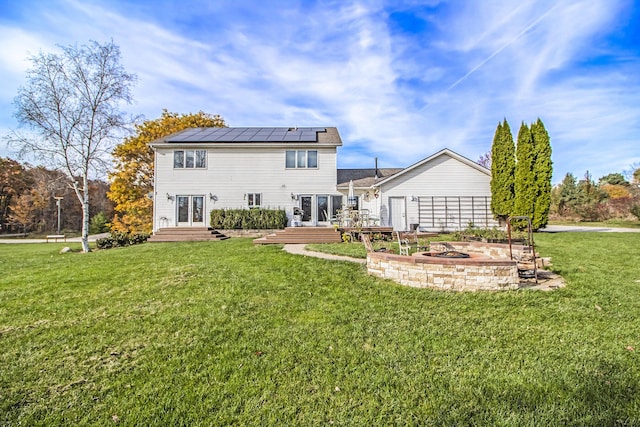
[[190, 159], [301, 159]]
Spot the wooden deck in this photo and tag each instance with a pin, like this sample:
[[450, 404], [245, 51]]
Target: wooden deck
[[316, 234], [302, 235]]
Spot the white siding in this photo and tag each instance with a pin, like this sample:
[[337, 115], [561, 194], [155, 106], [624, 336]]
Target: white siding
[[442, 176], [233, 172]]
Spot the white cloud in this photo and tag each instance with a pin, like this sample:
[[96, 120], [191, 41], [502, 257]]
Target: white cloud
[[342, 64]]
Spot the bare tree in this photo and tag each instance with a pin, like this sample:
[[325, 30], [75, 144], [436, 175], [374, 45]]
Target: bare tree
[[485, 160], [71, 105]]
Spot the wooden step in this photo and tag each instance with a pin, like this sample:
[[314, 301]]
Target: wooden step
[[168, 238], [186, 234]]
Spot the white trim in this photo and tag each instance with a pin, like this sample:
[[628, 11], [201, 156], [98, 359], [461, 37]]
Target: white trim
[[442, 152]]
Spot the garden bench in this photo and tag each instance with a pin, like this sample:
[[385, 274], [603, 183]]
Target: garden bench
[[55, 237]]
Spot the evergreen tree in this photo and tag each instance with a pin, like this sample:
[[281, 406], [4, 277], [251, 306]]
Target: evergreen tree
[[567, 194], [525, 185], [613, 179], [502, 172], [542, 171]]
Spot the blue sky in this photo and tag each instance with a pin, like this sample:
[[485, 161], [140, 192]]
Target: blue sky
[[399, 79]]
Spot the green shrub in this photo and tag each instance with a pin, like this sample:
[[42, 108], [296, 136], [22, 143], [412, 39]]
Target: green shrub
[[217, 218], [119, 239], [635, 210], [248, 219], [98, 224], [493, 234]]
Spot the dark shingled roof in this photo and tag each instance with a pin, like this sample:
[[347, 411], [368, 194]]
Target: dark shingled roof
[[321, 135], [364, 178]]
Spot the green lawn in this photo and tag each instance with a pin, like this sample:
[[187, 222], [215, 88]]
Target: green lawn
[[229, 333]]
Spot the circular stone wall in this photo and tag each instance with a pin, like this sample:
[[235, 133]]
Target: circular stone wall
[[478, 272]]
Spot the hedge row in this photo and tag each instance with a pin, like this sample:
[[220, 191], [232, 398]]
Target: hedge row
[[248, 219]]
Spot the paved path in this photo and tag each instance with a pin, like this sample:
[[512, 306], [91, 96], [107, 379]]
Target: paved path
[[299, 249], [578, 228], [92, 238]]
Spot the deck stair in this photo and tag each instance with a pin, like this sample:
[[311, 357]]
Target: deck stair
[[186, 234], [302, 235]]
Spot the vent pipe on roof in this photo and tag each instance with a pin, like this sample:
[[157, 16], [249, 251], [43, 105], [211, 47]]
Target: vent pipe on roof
[[376, 172]]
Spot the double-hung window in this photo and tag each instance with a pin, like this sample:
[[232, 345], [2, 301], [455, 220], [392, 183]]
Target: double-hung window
[[301, 159], [190, 159]]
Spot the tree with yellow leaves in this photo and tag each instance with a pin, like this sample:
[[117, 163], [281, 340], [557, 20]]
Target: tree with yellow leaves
[[132, 179]]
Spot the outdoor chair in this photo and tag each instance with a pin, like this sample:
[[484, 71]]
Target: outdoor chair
[[368, 245], [403, 245], [373, 221], [415, 243]]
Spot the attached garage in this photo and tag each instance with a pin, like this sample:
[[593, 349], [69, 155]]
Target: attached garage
[[445, 191]]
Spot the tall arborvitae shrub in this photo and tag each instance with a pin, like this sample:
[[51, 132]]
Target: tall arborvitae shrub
[[502, 172], [525, 184], [542, 169]]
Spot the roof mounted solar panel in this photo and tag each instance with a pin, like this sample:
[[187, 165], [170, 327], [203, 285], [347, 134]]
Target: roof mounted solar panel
[[247, 134], [292, 137]]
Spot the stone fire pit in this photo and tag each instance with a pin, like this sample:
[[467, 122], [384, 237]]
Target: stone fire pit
[[474, 272]]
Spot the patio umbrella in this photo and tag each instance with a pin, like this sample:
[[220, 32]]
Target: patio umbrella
[[351, 196]]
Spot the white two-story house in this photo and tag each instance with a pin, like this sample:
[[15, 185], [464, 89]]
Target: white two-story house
[[200, 169], [295, 169]]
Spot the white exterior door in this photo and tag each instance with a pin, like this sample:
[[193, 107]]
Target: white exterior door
[[397, 213], [190, 211]]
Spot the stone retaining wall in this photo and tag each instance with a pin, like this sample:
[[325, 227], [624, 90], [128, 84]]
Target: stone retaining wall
[[418, 271]]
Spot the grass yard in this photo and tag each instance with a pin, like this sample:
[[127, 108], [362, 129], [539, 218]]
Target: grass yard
[[229, 333]]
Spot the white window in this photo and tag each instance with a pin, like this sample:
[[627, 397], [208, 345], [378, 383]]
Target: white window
[[301, 159], [190, 159], [254, 200], [291, 159], [312, 159]]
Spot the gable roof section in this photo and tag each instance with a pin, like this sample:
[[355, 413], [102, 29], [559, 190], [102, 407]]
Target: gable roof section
[[444, 152], [257, 135], [364, 178]]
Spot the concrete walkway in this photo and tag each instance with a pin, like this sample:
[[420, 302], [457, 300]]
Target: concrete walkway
[[299, 249], [578, 228], [92, 238]]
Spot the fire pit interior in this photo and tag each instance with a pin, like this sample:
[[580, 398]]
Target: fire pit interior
[[449, 254]]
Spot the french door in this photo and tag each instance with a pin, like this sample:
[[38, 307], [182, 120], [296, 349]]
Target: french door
[[318, 209], [323, 209], [190, 211], [306, 204]]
